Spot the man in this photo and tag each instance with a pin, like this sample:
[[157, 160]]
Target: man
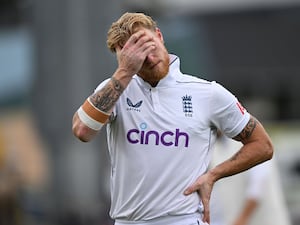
[[161, 125]]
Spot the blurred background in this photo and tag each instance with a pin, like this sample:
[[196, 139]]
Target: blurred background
[[53, 54]]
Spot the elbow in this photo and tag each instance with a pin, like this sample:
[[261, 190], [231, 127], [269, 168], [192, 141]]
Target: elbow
[[269, 150], [81, 133]]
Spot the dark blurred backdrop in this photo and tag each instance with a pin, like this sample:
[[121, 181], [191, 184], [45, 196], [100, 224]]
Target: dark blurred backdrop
[[53, 54]]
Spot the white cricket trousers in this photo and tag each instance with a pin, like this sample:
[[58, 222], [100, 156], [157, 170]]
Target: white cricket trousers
[[191, 219]]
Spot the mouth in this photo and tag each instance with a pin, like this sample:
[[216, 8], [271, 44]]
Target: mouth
[[154, 65]]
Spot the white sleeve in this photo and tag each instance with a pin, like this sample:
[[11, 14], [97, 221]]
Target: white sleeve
[[228, 114]]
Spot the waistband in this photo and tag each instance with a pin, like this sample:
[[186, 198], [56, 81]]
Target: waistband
[[194, 218]]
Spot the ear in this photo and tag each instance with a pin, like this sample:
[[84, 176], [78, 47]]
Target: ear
[[159, 34]]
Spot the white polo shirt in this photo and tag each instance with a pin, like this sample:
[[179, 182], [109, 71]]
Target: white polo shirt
[[160, 142]]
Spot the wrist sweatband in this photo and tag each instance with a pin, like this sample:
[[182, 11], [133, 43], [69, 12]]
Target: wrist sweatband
[[92, 116]]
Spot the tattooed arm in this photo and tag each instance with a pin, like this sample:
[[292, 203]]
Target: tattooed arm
[[104, 100], [257, 148]]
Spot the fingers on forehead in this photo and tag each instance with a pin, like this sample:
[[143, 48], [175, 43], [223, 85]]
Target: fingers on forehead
[[135, 37], [138, 35]]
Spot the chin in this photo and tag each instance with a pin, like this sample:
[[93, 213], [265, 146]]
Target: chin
[[156, 74], [160, 76]]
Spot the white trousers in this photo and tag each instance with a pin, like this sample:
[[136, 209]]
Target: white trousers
[[192, 219]]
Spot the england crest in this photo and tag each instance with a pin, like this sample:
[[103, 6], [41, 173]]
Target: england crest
[[187, 105]]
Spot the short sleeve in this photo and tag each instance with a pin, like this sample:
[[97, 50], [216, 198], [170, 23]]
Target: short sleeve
[[227, 113]]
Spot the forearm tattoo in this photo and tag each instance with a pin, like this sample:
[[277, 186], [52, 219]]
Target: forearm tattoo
[[248, 130], [106, 98]]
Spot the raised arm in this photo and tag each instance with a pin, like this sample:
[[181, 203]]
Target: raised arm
[[95, 111]]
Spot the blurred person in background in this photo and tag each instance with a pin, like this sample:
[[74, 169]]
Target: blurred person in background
[[23, 153], [254, 197], [9, 183], [161, 125], [23, 166]]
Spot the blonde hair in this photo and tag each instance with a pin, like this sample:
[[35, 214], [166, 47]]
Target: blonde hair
[[125, 26]]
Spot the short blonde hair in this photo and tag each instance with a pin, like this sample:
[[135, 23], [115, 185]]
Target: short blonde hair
[[125, 26]]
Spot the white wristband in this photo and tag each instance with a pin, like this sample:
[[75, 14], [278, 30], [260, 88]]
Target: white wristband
[[91, 116], [88, 121]]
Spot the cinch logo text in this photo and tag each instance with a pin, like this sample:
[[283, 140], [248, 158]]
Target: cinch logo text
[[167, 138]]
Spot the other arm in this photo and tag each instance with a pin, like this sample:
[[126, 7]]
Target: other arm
[[257, 148], [248, 209]]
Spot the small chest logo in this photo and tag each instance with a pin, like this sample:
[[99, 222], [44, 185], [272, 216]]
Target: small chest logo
[[134, 107], [187, 105]]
